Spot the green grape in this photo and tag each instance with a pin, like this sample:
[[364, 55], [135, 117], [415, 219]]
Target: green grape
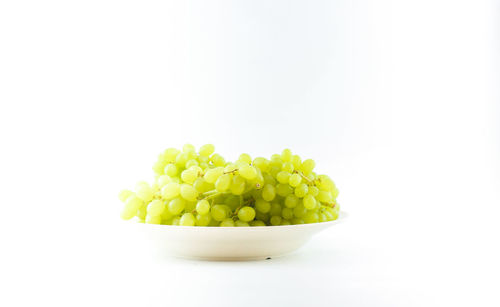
[[258, 182], [262, 206], [170, 154], [155, 207], [301, 190], [286, 155], [291, 201], [269, 179], [191, 163], [313, 191], [296, 161], [202, 186], [189, 176], [127, 213], [188, 192], [171, 170], [275, 220], [232, 201], [223, 183], [275, 209], [158, 167], [268, 192], [283, 177], [206, 150], [287, 167], [181, 159], [325, 197], [309, 202], [230, 168], [335, 192], [203, 165], [285, 222], [237, 185], [187, 219], [176, 220], [203, 220], [213, 174], [276, 161], [163, 180], [239, 223], [217, 160], [144, 192], [176, 205], [287, 213], [299, 211], [203, 207], [133, 203], [294, 180], [245, 158], [257, 223], [246, 214], [307, 166], [188, 148], [283, 189], [190, 206], [153, 219], [142, 221], [311, 217], [218, 212], [261, 216], [262, 163], [170, 190], [322, 217], [248, 172], [325, 183], [297, 221], [142, 212], [124, 194], [166, 215], [227, 223]]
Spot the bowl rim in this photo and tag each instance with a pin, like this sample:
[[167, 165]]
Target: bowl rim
[[341, 218]]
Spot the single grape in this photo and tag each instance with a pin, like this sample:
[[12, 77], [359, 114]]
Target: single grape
[[203, 220], [144, 192], [124, 194], [142, 212], [155, 207], [189, 175], [127, 213], [171, 170], [286, 155], [268, 192], [176, 220], [322, 217], [218, 212], [158, 167], [283, 177], [307, 166], [283, 189], [176, 205], [285, 222], [217, 160], [275, 209], [256, 223], [248, 172], [188, 148], [262, 206], [239, 223], [206, 150], [237, 185], [133, 203], [325, 197], [313, 191], [170, 190], [269, 179], [287, 213], [213, 174], [187, 219], [163, 180], [287, 167], [275, 220], [309, 202], [203, 207], [245, 158], [261, 163], [191, 163], [261, 216], [227, 223], [299, 211], [297, 221], [246, 214], [188, 192], [181, 159], [153, 219], [301, 190], [291, 201], [310, 217], [294, 180], [202, 186], [296, 161], [223, 183]]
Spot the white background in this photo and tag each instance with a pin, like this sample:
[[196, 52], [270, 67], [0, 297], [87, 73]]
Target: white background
[[396, 100]]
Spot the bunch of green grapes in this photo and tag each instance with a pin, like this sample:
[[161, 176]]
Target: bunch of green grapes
[[203, 189]]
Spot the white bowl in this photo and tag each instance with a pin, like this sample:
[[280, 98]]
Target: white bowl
[[231, 243]]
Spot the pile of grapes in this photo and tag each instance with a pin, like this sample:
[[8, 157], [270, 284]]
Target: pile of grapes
[[202, 189]]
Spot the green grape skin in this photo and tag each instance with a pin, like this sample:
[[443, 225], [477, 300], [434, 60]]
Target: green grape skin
[[262, 163], [325, 197], [202, 186], [206, 150], [218, 213], [237, 185], [190, 206], [191, 163], [153, 219], [181, 159], [124, 194], [223, 183], [261, 216], [133, 203], [268, 192], [176, 220], [155, 208], [322, 218], [188, 192], [283, 189], [275, 209], [170, 154], [213, 174], [246, 214], [217, 160], [189, 176], [285, 222], [171, 170], [291, 201], [127, 213], [239, 223], [170, 190], [313, 191], [163, 180], [203, 207], [311, 217], [301, 190], [275, 220], [294, 180], [257, 223], [299, 211], [269, 179], [228, 222], [142, 212], [245, 158], [297, 221], [307, 166], [283, 177], [187, 219], [274, 170], [144, 192], [287, 167], [188, 148], [309, 202], [176, 205], [286, 155], [296, 161], [287, 213], [262, 206], [232, 201], [158, 167], [166, 215], [248, 172], [203, 220]]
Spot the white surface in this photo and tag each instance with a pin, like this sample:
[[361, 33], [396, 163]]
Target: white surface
[[228, 243], [396, 100]]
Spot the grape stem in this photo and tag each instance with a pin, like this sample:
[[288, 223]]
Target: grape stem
[[231, 172], [248, 202], [305, 178]]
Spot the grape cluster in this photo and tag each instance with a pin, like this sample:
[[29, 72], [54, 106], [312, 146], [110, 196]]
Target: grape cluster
[[203, 189]]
